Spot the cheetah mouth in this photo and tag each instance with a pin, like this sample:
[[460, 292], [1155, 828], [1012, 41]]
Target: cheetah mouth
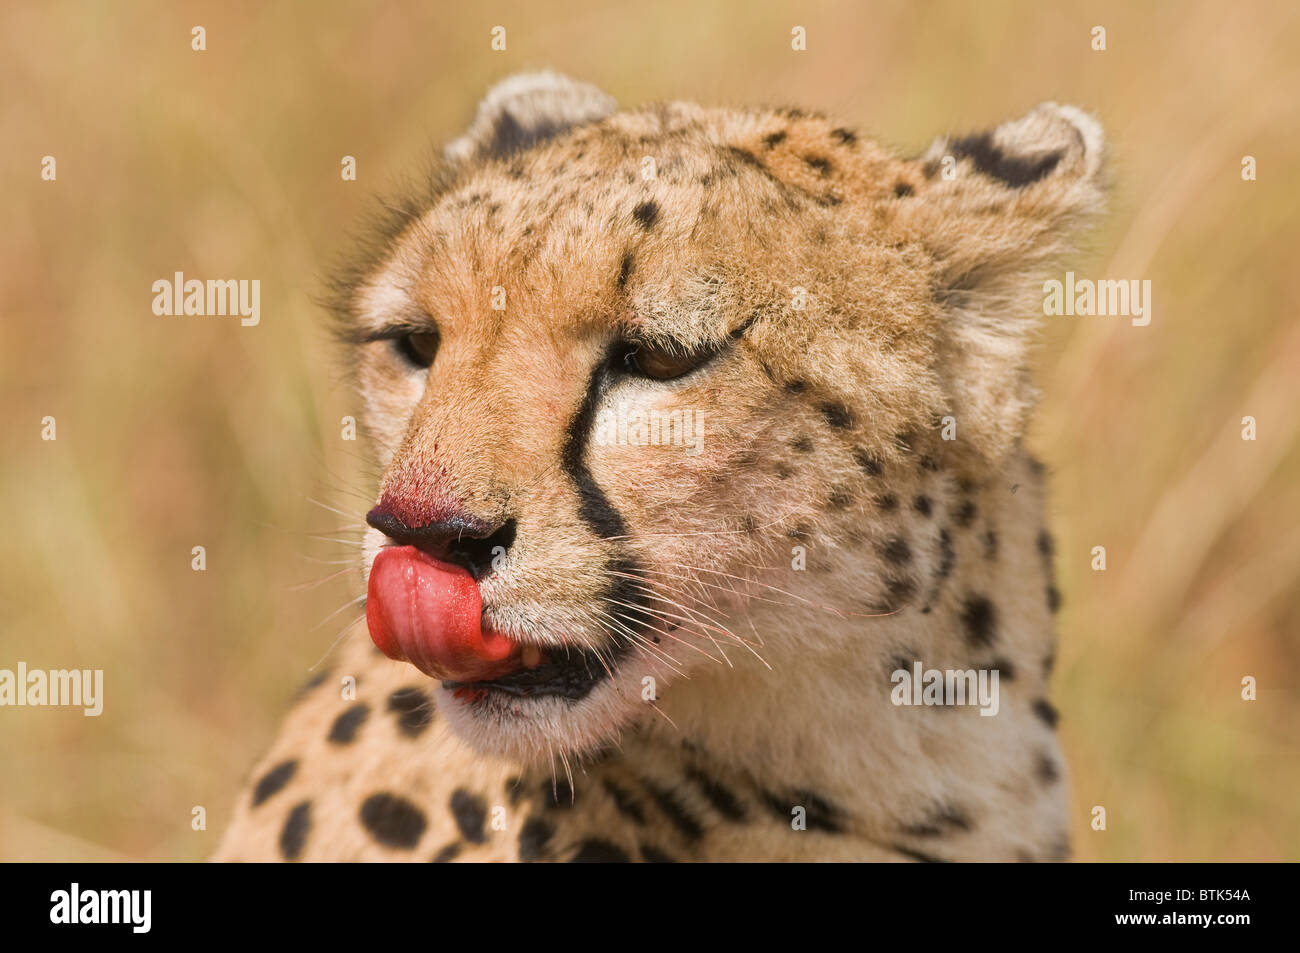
[[429, 613], [569, 675]]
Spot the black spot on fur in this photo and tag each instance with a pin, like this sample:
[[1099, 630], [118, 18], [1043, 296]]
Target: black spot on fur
[[919, 856], [413, 709], [646, 214], [900, 663], [802, 444], [1006, 671], [979, 619], [723, 800], [594, 850], [819, 164], [745, 157], [898, 589], [392, 820], [345, 727], [559, 796], [447, 854], [470, 812], [896, 550], [1046, 712], [929, 463], [819, 814], [625, 269], [822, 814], [902, 190], [840, 498], [990, 159], [837, 415], [533, 839], [772, 139], [1045, 544], [293, 836], [965, 514], [1046, 769], [624, 802], [796, 386], [844, 136], [947, 555], [888, 502], [653, 855], [990, 545], [673, 809], [273, 781], [867, 462], [923, 505], [1053, 599]]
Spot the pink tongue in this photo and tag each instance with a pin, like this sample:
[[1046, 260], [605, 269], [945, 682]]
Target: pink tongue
[[429, 613]]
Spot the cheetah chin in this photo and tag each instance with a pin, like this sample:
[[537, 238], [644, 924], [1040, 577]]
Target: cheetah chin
[[696, 427]]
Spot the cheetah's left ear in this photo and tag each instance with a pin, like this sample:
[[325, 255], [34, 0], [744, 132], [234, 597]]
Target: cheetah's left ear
[[526, 109], [998, 210]]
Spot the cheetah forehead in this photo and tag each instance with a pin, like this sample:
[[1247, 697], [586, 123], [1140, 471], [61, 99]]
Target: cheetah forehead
[[688, 220]]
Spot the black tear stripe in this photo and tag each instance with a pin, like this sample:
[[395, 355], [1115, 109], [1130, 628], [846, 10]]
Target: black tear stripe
[[1015, 171], [624, 595], [594, 507]]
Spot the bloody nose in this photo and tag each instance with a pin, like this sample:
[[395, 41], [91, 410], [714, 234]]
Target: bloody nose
[[422, 610]]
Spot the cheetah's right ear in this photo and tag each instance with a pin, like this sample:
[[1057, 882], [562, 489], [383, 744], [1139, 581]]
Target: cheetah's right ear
[[526, 109], [999, 210]]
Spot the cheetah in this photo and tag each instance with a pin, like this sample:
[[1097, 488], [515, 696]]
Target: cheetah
[[590, 638]]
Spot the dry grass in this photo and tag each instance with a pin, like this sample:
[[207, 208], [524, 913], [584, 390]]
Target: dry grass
[[176, 432]]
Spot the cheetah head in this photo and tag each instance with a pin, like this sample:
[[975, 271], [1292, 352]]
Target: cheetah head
[[617, 365]]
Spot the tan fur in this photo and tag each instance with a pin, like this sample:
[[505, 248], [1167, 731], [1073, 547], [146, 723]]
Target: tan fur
[[822, 432]]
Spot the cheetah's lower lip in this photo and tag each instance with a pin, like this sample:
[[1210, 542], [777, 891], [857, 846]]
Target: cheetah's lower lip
[[428, 612], [569, 675]]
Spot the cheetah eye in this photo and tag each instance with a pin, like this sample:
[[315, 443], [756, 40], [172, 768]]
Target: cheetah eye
[[417, 348], [662, 363]]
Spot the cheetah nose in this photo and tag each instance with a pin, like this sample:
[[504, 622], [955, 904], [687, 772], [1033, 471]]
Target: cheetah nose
[[428, 612]]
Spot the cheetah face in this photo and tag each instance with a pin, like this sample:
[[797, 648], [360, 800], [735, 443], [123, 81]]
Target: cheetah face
[[615, 365]]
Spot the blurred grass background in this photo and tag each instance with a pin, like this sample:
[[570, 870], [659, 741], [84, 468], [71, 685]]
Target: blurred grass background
[[176, 432]]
